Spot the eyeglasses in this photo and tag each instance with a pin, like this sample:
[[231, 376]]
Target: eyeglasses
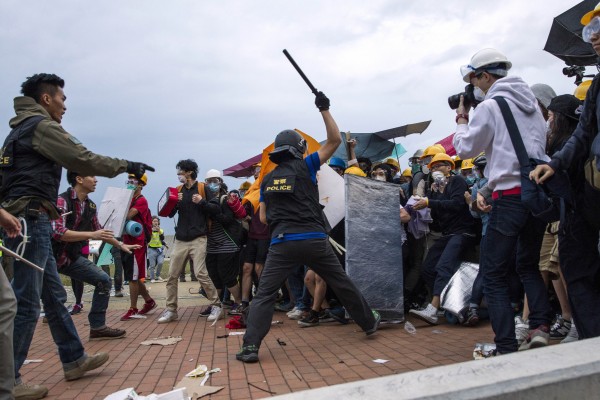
[[591, 29]]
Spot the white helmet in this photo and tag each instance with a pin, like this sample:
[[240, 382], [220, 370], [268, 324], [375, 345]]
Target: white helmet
[[490, 60], [213, 173]]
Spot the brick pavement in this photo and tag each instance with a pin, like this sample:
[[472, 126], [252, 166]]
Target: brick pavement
[[313, 357]]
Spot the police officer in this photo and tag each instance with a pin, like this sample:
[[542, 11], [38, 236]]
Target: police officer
[[290, 205]]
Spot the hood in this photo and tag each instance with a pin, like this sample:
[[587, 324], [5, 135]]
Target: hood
[[26, 107], [516, 90]]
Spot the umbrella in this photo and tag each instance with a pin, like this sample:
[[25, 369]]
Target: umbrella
[[243, 169], [376, 146], [447, 144], [564, 40]]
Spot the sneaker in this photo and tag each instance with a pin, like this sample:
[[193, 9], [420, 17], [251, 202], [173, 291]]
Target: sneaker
[[296, 314], [129, 314], [168, 316], [236, 309], [291, 311], [377, 322], [107, 333], [126, 283], [207, 311], [118, 293], [152, 280], [31, 392], [521, 330], [560, 329], [572, 336], [90, 363], [75, 309], [215, 314], [537, 338], [311, 320], [472, 318], [160, 280], [338, 314], [428, 314], [148, 306], [248, 354], [285, 307]]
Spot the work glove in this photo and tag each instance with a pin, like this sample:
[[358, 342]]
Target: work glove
[[138, 169], [322, 102]]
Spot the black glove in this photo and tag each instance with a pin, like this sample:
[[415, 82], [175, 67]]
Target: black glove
[[138, 169], [322, 102]]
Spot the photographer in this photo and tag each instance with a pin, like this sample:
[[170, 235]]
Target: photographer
[[449, 209], [511, 224]]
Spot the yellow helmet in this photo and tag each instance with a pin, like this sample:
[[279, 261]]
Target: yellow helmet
[[143, 179], [581, 90], [441, 157], [407, 172], [467, 164], [245, 186], [433, 150], [393, 162]]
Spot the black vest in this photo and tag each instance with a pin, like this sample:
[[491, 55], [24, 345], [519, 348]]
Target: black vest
[[292, 200], [25, 172], [74, 248]]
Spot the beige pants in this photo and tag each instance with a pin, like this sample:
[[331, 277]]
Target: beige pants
[[196, 250]]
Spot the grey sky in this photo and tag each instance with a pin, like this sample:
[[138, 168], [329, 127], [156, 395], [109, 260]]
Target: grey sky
[[159, 81]]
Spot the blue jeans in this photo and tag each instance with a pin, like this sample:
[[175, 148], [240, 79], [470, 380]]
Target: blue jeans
[[156, 257], [86, 271], [299, 292], [29, 285], [512, 226]]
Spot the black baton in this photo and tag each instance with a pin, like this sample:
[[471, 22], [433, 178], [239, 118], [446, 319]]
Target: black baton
[[310, 85]]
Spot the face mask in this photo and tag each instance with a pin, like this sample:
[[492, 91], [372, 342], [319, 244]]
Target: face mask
[[181, 178], [214, 187], [439, 178], [415, 168], [131, 186], [380, 178], [479, 94], [425, 169], [471, 180], [477, 174]]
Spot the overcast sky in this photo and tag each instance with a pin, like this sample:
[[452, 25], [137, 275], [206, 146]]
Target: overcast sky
[[159, 81]]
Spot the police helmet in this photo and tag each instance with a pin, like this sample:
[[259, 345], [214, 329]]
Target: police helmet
[[288, 142]]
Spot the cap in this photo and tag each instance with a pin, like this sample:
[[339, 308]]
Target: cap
[[566, 104], [543, 93]]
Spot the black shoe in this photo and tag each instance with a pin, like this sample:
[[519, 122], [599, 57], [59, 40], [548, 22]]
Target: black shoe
[[377, 322], [311, 320], [206, 311], [181, 279], [248, 354], [472, 318]]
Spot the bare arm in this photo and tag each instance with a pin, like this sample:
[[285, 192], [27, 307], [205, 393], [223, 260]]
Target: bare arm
[[262, 212]]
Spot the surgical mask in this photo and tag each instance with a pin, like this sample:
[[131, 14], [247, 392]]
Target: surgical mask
[[471, 178], [590, 29], [214, 187], [380, 178], [181, 178], [479, 94], [131, 186], [415, 168], [425, 169]]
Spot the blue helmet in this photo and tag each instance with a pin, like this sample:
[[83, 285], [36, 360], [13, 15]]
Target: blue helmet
[[337, 162]]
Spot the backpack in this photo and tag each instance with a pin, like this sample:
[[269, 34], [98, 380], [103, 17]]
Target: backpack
[[146, 221], [201, 190]]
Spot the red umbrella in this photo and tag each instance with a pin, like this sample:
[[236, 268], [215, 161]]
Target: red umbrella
[[243, 169]]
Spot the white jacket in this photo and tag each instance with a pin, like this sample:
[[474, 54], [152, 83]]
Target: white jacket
[[487, 132]]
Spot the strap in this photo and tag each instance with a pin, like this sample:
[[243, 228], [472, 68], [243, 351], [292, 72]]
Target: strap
[[513, 130]]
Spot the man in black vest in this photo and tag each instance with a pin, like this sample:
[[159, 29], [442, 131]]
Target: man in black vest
[[79, 223], [33, 156], [289, 203]]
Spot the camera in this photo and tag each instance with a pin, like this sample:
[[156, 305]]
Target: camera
[[574, 70], [469, 98]]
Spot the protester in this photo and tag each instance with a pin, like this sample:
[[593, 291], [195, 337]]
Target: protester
[[78, 224], [190, 241], [338, 165], [37, 149], [156, 251], [290, 205], [511, 224], [134, 263]]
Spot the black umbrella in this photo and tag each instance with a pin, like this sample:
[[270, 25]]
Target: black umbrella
[[564, 40]]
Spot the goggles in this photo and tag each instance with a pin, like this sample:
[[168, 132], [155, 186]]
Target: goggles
[[590, 29], [132, 182]]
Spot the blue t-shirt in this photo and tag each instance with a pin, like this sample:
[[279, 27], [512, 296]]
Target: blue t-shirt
[[313, 163]]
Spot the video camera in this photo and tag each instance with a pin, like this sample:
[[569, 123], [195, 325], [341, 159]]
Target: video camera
[[575, 70], [469, 98]]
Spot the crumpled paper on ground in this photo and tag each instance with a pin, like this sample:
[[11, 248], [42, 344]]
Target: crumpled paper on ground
[[195, 389], [163, 341]]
